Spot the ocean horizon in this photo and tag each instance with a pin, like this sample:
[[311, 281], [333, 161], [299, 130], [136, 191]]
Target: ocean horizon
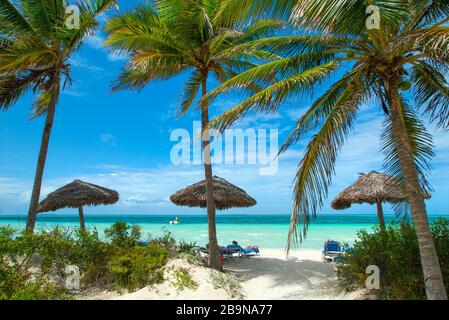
[[265, 230]]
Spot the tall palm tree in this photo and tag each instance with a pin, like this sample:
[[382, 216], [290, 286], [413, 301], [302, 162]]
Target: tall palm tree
[[36, 40], [404, 58], [166, 38]]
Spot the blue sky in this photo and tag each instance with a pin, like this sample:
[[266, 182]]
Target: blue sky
[[122, 140]]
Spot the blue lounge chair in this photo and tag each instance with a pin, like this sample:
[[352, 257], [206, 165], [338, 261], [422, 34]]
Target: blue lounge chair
[[201, 249], [243, 252], [222, 250], [331, 250]]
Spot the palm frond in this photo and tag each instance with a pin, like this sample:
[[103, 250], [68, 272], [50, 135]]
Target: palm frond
[[281, 69], [433, 42], [147, 66], [316, 168], [287, 46], [191, 88], [317, 112], [142, 29], [268, 99], [40, 105], [261, 29], [431, 91], [430, 12], [38, 15], [348, 17], [12, 21], [14, 85], [238, 11], [26, 55], [421, 144], [89, 11]]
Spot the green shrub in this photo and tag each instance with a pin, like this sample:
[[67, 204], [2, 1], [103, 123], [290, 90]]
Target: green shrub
[[186, 247], [16, 284], [122, 235], [395, 251], [91, 255], [227, 282], [166, 241], [120, 263], [51, 249], [193, 258], [137, 266], [182, 279], [60, 247]]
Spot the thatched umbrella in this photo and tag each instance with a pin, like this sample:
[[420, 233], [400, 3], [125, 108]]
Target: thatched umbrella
[[76, 195], [226, 195], [372, 188]]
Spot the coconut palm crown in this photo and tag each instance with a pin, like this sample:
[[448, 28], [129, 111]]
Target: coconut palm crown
[[166, 38], [392, 52], [37, 39]]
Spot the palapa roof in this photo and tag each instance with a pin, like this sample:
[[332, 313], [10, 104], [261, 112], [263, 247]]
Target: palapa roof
[[76, 194], [368, 189], [226, 195]]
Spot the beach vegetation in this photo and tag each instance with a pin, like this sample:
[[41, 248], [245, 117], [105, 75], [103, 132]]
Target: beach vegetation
[[193, 258], [182, 279], [37, 261], [123, 235], [136, 267], [395, 251], [229, 283], [186, 247], [167, 241], [17, 283], [398, 67]]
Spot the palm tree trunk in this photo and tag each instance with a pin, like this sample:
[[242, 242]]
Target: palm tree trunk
[[82, 223], [31, 220], [433, 279], [214, 256], [380, 214]]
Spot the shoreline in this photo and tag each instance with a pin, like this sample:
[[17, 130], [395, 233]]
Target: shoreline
[[267, 231]]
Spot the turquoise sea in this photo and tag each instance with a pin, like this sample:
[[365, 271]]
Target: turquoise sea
[[268, 231]]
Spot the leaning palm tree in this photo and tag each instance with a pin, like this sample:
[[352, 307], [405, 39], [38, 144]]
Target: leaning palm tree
[[399, 52], [165, 38], [37, 38]]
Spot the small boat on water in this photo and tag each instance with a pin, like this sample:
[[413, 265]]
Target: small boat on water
[[176, 221]]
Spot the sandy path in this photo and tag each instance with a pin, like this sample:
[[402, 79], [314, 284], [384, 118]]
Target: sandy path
[[269, 276]]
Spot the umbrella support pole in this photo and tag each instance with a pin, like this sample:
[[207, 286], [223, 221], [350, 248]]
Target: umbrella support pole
[[380, 214], [81, 213]]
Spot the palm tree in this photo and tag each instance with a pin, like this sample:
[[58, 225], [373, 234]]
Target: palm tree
[[165, 38], [36, 40], [404, 58]]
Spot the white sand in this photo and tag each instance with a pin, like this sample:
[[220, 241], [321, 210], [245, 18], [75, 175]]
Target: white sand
[[268, 276]]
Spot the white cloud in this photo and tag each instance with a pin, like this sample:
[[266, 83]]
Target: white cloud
[[295, 113], [97, 42], [117, 56], [108, 139], [81, 62]]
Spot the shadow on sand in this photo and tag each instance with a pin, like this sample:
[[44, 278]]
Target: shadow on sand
[[301, 278]]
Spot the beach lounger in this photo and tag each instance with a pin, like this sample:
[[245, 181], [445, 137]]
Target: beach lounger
[[331, 250], [223, 251], [201, 249], [230, 251], [243, 252]]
